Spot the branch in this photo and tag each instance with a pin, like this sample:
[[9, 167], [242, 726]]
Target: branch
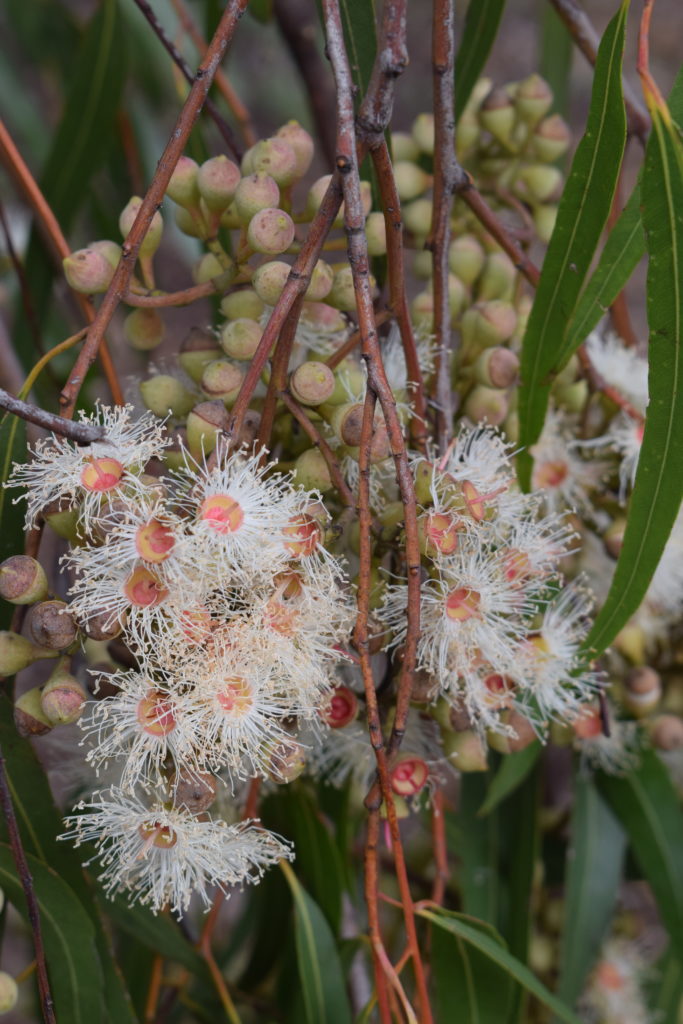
[[319, 441], [81, 433]]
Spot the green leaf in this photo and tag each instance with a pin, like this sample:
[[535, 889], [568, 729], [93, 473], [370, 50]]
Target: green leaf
[[581, 217], [666, 990], [658, 486], [494, 949], [73, 964], [360, 34], [595, 858], [479, 846], [465, 977], [156, 931], [557, 51], [647, 806], [320, 972], [519, 853], [12, 449], [478, 34], [513, 770]]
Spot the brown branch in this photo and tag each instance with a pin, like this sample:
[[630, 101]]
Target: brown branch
[[159, 300], [152, 200], [440, 847], [26, 880], [279, 365], [319, 441], [184, 68], [371, 887], [154, 990], [353, 341], [81, 433]]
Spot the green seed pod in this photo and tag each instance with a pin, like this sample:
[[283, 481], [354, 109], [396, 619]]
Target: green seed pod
[[62, 698], [568, 374], [424, 478], [9, 992], [247, 162], [466, 258], [417, 217], [217, 181], [51, 625], [467, 135], [544, 220], [423, 133], [411, 180], [533, 99], [540, 183], [29, 717], [88, 271], [488, 323], [631, 642], [551, 139], [322, 277], [165, 395], [16, 652], [302, 144], [22, 580], [497, 116], [488, 404], [312, 383], [311, 472], [404, 147], [223, 380], [269, 279], [240, 338], [243, 303], [183, 188], [277, 158], [152, 239], [322, 318], [457, 296], [498, 278], [270, 232], [465, 751], [206, 421], [198, 348], [210, 268], [254, 193], [230, 218], [496, 367], [144, 329]]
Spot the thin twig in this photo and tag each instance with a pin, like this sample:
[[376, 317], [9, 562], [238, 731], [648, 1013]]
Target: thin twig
[[160, 300], [321, 444], [353, 341], [26, 879], [154, 990], [81, 433], [278, 375]]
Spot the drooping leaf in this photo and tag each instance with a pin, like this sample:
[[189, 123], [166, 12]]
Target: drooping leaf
[[646, 804], [478, 34], [479, 848], [494, 948], [156, 931], [466, 978], [74, 967], [595, 859], [581, 217], [658, 487], [513, 770], [320, 973]]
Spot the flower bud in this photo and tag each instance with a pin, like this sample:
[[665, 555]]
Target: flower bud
[[286, 760], [411, 180], [424, 477], [110, 250], [88, 271], [191, 222], [270, 231], [349, 380], [302, 144], [544, 221], [631, 642], [144, 329], [255, 193], [242, 303], [311, 472], [347, 422], [102, 626], [498, 278], [642, 691], [183, 188], [210, 268], [465, 750], [496, 367], [62, 698], [342, 295], [240, 338], [466, 258], [541, 183], [533, 99], [174, 453], [152, 239], [315, 198], [497, 115], [404, 147], [195, 791], [488, 404], [666, 732], [164, 395], [217, 182], [467, 135], [16, 653], [277, 158], [551, 139], [423, 133], [408, 775], [206, 421], [223, 380], [340, 709], [269, 279], [51, 625], [488, 323], [29, 717], [64, 519], [198, 348], [574, 397], [9, 992], [320, 284], [376, 234], [22, 580], [312, 383], [417, 217]]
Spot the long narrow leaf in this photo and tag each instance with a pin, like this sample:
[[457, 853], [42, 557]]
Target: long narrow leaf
[[511, 774], [480, 29], [581, 217], [478, 851], [466, 978]]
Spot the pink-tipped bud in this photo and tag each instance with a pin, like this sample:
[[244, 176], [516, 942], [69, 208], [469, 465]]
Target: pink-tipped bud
[[409, 775], [496, 367], [302, 144], [198, 348], [533, 98], [465, 751], [423, 133], [411, 180], [323, 318], [376, 234], [551, 139], [320, 284], [341, 708], [195, 791], [466, 258], [666, 732], [63, 698], [254, 193], [183, 188], [206, 421], [51, 625], [312, 383], [22, 580], [223, 380], [277, 158], [244, 303], [486, 404], [642, 691], [240, 338], [88, 271], [144, 329], [29, 717], [270, 231], [269, 279], [488, 323], [217, 182], [152, 239], [417, 217], [497, 115], [311, 471], [165, 395], [110, 250]]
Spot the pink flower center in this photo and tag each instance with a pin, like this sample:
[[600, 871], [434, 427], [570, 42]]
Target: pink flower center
[[155, 714], [143, 589], [408, 776], [587, 727], [196, 624], [462, 604], [222, 513], [155, 834], [281, 612], [609, 976], [154, 541], [341, 708], [551, 474], [101, 474], [517, 566], [500, 688], [235, 697]]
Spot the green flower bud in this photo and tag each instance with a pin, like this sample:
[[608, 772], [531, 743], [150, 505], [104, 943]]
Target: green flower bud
[[488, 323], [311, 472], [152, 239], [190, 223], [404, 147], [50, 625], [165, 395], [254, 193], [206, 421], [411, 180], [210, 268], [551, 139], [422, 310], [497, 115], [270, 231], [183, 188], [315, 198], [631, 642], [312, 383], [277, 158], [568, 374], [342, 294], [144, 329], [9, 993], [573, 397], [347, 423], [244, 303], [63, 698], [465, 751], [302, 144], [63, 518], [247, 162], [22, 580], [324, 319], [496, 367], [533, 99], [417, 217], [376, 234], [511, 427], [217, 182], [322, 277], [230, 218], [488, 404], [88, 271], [468, 134], [544, 220], [240, 338], [466, 258], [269, 279], [498, 278], [423, 133], [540, 183], [223, 380], [110, 250], [424, 477], [16, 652], [457, 295], [198, 348]]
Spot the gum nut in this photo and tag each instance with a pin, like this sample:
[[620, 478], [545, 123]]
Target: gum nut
[[320, 285], [465, 750], [302, 144], [195, 791], [255, 192], [242, 303], [312, 383], [9, 991], [666, 732], [51, 625], [466, 258], [16, 653], [240, 338], [204, 423], [496, 367], [63, 698], [110, 250], [247, 162], [144, 329], [311, 471], [223, 380], [152, 239], [423, 264], [189, 223], [342, 294], [102, 626], [230, 218], [269, 279], [404, 147], [183, 188], [323, 318], [542, 183], [315, 197], [488, 323], [551, 139], [533, 98], [423, 133], [217, 181], [498, 277], [497, 115], [164, 395], [277, 158], [88, 271], [210, 268], [270, 232], [29, 717], [22, 580], [198, 348], [544, 221], [411, 180], [376, 234], [417, 217]]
